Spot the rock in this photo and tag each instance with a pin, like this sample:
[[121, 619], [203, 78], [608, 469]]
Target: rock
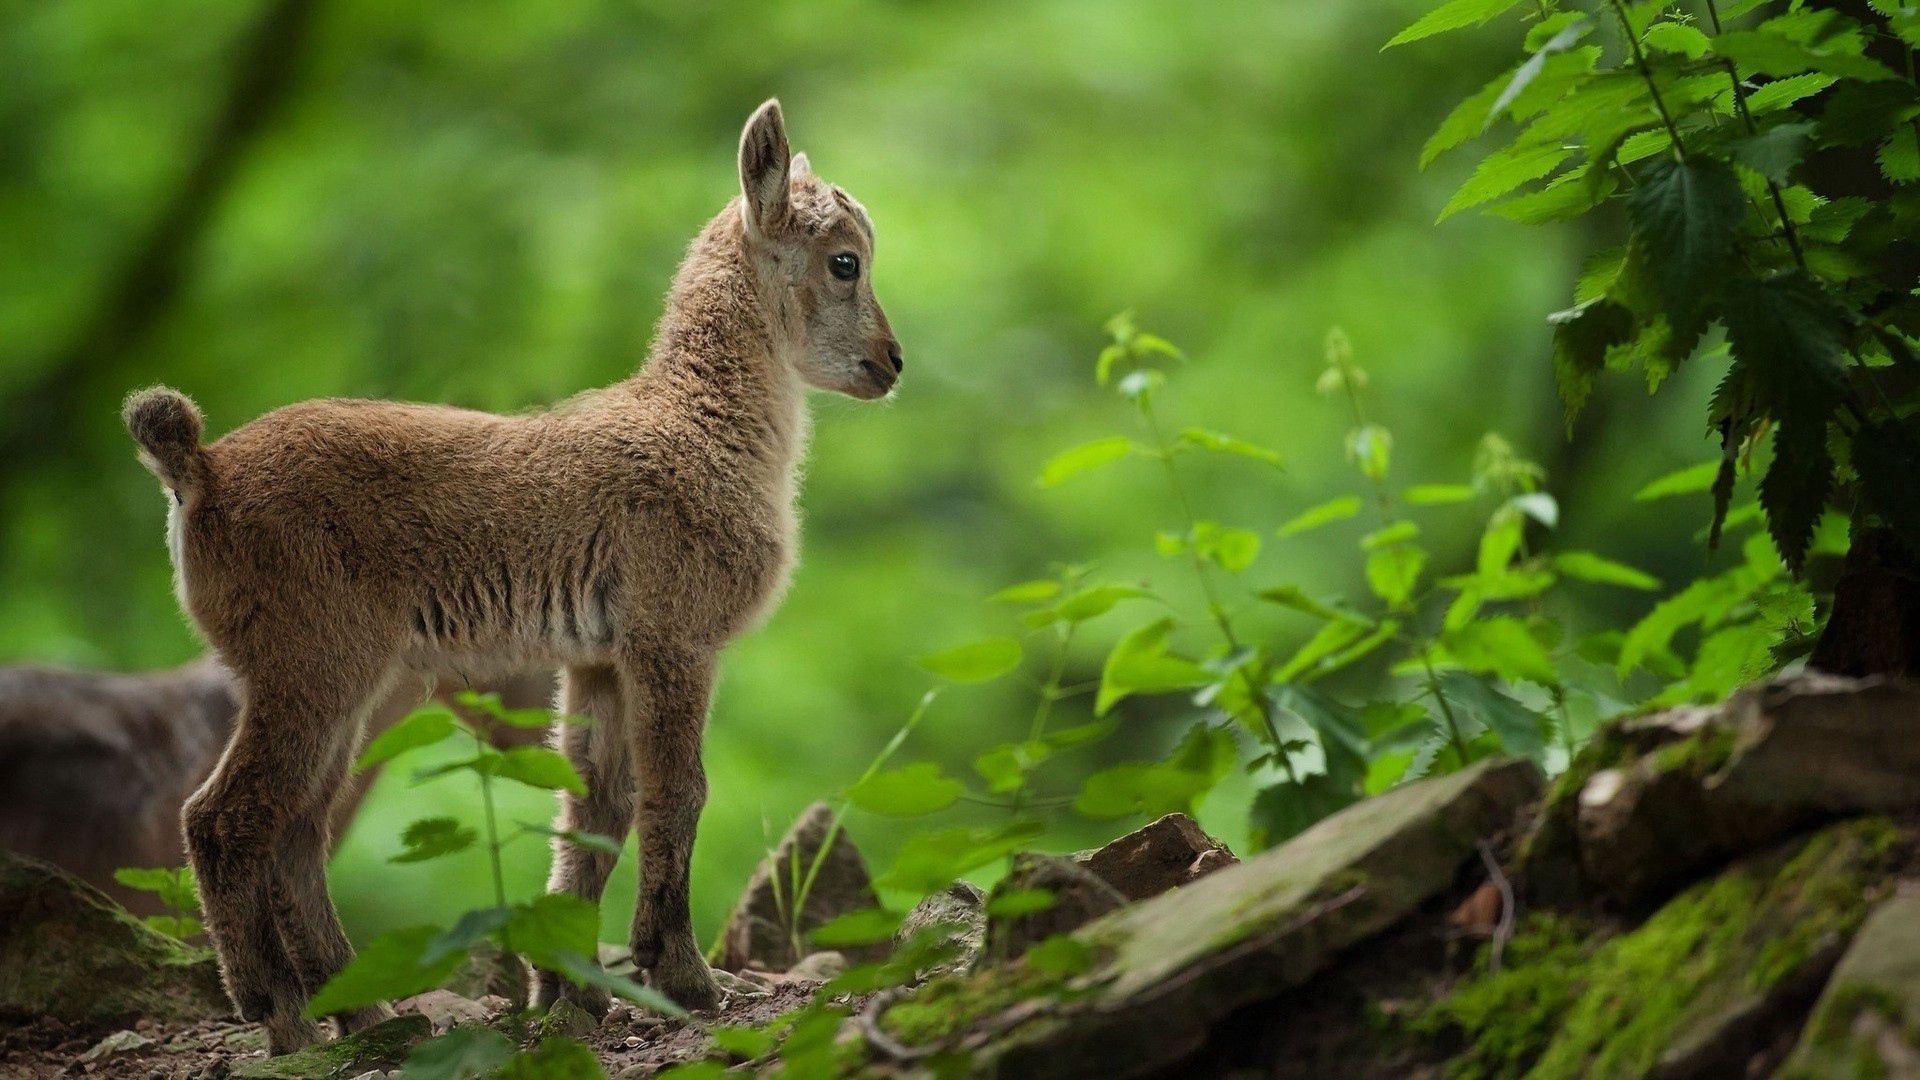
[[1869, 1013], [120, 1042], [566, 1018], [443, 1009], [486, 971], [1653, 800], [1697, 990], [1159, 973], [756, 934], [1164, 854], [69, 953], [820, 966], [382, 1046], [961, 909], [1079, 896]]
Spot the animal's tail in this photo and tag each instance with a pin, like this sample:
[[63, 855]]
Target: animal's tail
[[167, 425]]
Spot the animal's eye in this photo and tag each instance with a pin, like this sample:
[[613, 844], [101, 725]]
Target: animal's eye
[[846, 267]]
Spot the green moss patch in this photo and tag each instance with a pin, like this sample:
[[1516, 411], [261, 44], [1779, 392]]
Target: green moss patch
[[1568, 1004], [382, 1046], [953, 1003]]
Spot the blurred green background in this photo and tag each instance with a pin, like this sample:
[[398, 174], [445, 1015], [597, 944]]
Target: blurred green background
[[482, 203]]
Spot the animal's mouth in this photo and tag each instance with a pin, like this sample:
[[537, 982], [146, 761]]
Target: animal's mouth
[[879, 380]]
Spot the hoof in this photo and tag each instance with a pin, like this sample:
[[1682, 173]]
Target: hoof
[[551, 988], [288, 1034], [362, 1019], [692, 988]]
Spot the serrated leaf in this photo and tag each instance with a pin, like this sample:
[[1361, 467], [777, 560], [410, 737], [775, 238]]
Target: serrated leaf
[[1899, 157], [930, 860], [1521, 731], [1501, 172], [1140, 664], [1500, 646], [1452, 15], [1763, 52], [387, 968], [1155, 789], [1562, 40], [1291, 596], [1469, 118], [910, 791], [1392, 573], [976, 661], [422, 728], [1070, 463], [1326, 513], [1677, 38], [1587, 566], [1775, 152], [1685, 216], [1582, 337], [1282, 811]]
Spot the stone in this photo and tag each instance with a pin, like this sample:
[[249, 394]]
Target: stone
[[566, 1018], [757, 934], [1079, 896], [382, 1046], [1869, 1013], [1164, 854], [120, 1042], [1696, 990], [819, 966], [1653, 800], [69, 953], [1159, 973], [961, 909], [443, 1009]]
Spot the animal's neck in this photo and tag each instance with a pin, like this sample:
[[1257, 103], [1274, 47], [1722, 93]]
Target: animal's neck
[[716, 357]]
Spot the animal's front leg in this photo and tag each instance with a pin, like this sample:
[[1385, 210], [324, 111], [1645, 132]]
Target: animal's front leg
[[677, 685]]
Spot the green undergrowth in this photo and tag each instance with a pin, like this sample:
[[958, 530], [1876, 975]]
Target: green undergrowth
[[953, 1003], [1570, 1001]]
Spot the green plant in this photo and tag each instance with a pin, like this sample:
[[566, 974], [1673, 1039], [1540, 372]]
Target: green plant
[[1765, 155], [175, 888], [557, 932]]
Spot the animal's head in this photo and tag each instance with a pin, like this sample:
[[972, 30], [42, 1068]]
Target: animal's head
[[812, 243]]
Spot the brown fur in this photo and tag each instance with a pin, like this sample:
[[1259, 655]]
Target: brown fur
[[626, 536], [94, 766]]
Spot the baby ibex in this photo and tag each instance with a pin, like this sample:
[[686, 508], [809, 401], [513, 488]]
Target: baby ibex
[[625, 536]]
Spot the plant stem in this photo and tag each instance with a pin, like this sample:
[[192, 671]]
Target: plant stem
[[1746, 117], [1256, 688], [1646, 72], [493, 841], [1043, 709], [1446, 709]]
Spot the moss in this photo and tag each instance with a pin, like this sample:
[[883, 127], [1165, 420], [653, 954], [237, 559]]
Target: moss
[[953, 1003], [1841, 1037], [1704, 753], [1566, 1006], [382, 1046]]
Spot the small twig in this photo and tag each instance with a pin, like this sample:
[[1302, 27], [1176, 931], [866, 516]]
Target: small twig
[[1503, 928]]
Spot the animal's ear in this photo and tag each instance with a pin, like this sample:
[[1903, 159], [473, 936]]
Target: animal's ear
[[763, 170], [800, 167]]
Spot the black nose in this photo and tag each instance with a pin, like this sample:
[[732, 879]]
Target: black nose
[[893, 354]]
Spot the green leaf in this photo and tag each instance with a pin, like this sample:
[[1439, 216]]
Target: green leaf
[[1766, 53], [173, 885], [1290, 596], [1330, 639], [1687, 481], [1215, 442], [174, 926], [1370, 447], [1140, 664], [744, 1043], [1341, 733], [977, 661], [1397, 533], [1018, 902], [430, 838], [931, 860], [1172, 786], [1502, 646], [1587, 566], [1505, 531], [584, 972], [1233, 550], [1527, 72], [1393, 572], [1791, 335], [1436, 494], [1469, 118], [1027, 592], [1060, 955], [605, 845], [1501, 172], [1583, 335], [558, 1058], [536, 766], [1326, 513], [467, 1051], [1521, 731], [1284, 810], [1004, 767], [1899, 156], [423, 728], [864, 927], [1685, 216], [389, 967], [545, 927], [910, 791], [1775, 152], [1678, 38], [1068, 464], [1452, 15]]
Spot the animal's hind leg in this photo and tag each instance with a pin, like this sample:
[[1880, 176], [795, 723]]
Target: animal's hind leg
[[234, 824], [598, 750], [303, 910]]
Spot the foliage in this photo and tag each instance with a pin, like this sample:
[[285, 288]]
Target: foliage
[[175, 887], [557, 932], [1723, 134]]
